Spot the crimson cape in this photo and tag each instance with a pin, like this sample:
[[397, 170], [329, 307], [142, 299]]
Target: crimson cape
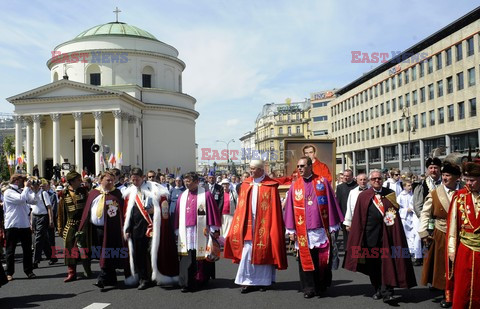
[[397, 269], [269, 231]]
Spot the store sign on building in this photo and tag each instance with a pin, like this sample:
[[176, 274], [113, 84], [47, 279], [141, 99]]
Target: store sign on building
[[288, 109], [395, 70], [322, 95]]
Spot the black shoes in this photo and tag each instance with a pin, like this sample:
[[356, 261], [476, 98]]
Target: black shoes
[[99, 284], [35, 265], [52, 261], [388, 299], [377, 296], [144, 285], [248, 288], [308, 294], [262, 288], [445, 304]]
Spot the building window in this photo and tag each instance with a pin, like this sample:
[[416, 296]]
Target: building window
[[367, 133], [401, 124], [376, 111], [381, 88], [298, 130], [430, 65], [469, 47], [387, 86], [432, 117], [451, 113], [372, 133], [387, 107], [376, 91], [280, 131], [440, 88], [394, 105], [371, 112], [460, 81], [381, 109], [422, 94], [146, 80], [95, 79], [422, 68], [448, 60], [424, 119], [389, 128], [415, 97], [394, 127], [441, 115], [414, 73], [407, 100], [289, 130], [393, 82], [415, 121], [471, 77], [449, 84], [430, 92], [473, 107], [458, 48], [272, 145], [439, 61], [461, 110], [399, 79], [407, 72], [271, 132]]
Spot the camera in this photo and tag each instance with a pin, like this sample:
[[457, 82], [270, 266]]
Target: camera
[[36, 182]]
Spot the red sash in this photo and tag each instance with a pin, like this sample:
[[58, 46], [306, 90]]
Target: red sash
[[145, 215], [301, 225], [378, 203]]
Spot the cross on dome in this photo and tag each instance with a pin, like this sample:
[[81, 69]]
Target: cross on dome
[[116, 13]]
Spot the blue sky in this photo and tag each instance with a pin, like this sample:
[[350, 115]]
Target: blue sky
[[240, 55]]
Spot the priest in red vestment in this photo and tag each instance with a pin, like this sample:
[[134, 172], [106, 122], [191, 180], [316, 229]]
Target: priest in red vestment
[[463, 242], [377, 245], [102, 222], [312, 213], [256, 239], [151, 243], [318, 167]]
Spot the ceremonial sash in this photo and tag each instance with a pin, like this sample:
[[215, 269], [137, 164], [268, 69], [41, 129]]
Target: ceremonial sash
[[378, 203], [201, 213], [300, 217], [145, 215]]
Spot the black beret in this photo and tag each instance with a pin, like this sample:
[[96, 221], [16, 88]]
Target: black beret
[[471, 169], [433, 161]]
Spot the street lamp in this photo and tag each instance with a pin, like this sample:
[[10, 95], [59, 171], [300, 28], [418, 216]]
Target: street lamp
[[410, 128], [228, 152]]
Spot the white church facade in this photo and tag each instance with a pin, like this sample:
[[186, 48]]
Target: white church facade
[[114, 85]]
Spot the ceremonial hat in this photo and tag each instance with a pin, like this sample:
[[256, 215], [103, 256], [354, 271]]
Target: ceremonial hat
[[433, 161], [471, 169], [72, 175], [211, 173], [451, 168], [178, 178], [224, 181], [257, 164]]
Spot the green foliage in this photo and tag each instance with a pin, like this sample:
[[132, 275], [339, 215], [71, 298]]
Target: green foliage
[[7, 148]]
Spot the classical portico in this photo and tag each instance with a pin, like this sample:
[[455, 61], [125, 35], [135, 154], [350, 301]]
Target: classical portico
[[134, 109]]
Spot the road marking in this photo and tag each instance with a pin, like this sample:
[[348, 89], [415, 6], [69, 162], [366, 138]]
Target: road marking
[[97, 306]]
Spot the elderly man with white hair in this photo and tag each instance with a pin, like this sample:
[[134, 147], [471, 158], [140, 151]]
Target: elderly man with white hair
[[256, 240]]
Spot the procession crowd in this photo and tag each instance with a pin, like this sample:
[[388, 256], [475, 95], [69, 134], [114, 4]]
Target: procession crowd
[[169, 230]]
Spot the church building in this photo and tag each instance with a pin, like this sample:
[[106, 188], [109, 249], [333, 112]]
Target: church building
[[116, 86]]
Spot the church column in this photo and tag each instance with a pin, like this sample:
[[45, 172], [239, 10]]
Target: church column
[[78, 141], [56, 137], [400, 156], [18, 136], [132, 127], [98, 140], [36, 141], [354, 163], [40, 157], [448, 144], [367, 162], [126, 140], [118, 135], [382, 157], [422, 156], [29, 145]]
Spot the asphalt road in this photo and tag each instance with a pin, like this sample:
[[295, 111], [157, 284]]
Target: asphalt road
[[349, 290]]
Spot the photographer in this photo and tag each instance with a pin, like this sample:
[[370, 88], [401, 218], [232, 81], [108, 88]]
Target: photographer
[[17, 223], [42, 221]]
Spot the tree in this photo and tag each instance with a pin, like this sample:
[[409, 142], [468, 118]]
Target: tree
[[7, 148]]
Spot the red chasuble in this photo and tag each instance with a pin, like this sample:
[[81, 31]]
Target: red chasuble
[[269, 230]]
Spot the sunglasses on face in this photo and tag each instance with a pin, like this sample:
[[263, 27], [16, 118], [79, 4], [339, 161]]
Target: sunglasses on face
[[301, 166], [376, 178], [396, 174]]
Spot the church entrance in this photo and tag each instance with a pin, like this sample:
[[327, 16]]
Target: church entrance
[[88, 155]]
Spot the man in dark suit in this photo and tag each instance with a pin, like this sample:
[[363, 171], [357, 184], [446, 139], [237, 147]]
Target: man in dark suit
[[215, 189], [342, 192]]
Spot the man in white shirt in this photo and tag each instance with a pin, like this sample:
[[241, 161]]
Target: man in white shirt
[[17, 223], [42, 220], [362, 182], [394, 182]]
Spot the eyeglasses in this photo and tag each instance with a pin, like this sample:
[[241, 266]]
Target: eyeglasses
[[376, 178], [151, 176], [396, 174], [301, 166]]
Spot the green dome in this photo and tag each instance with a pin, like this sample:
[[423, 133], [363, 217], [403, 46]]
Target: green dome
[[116, 28]]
